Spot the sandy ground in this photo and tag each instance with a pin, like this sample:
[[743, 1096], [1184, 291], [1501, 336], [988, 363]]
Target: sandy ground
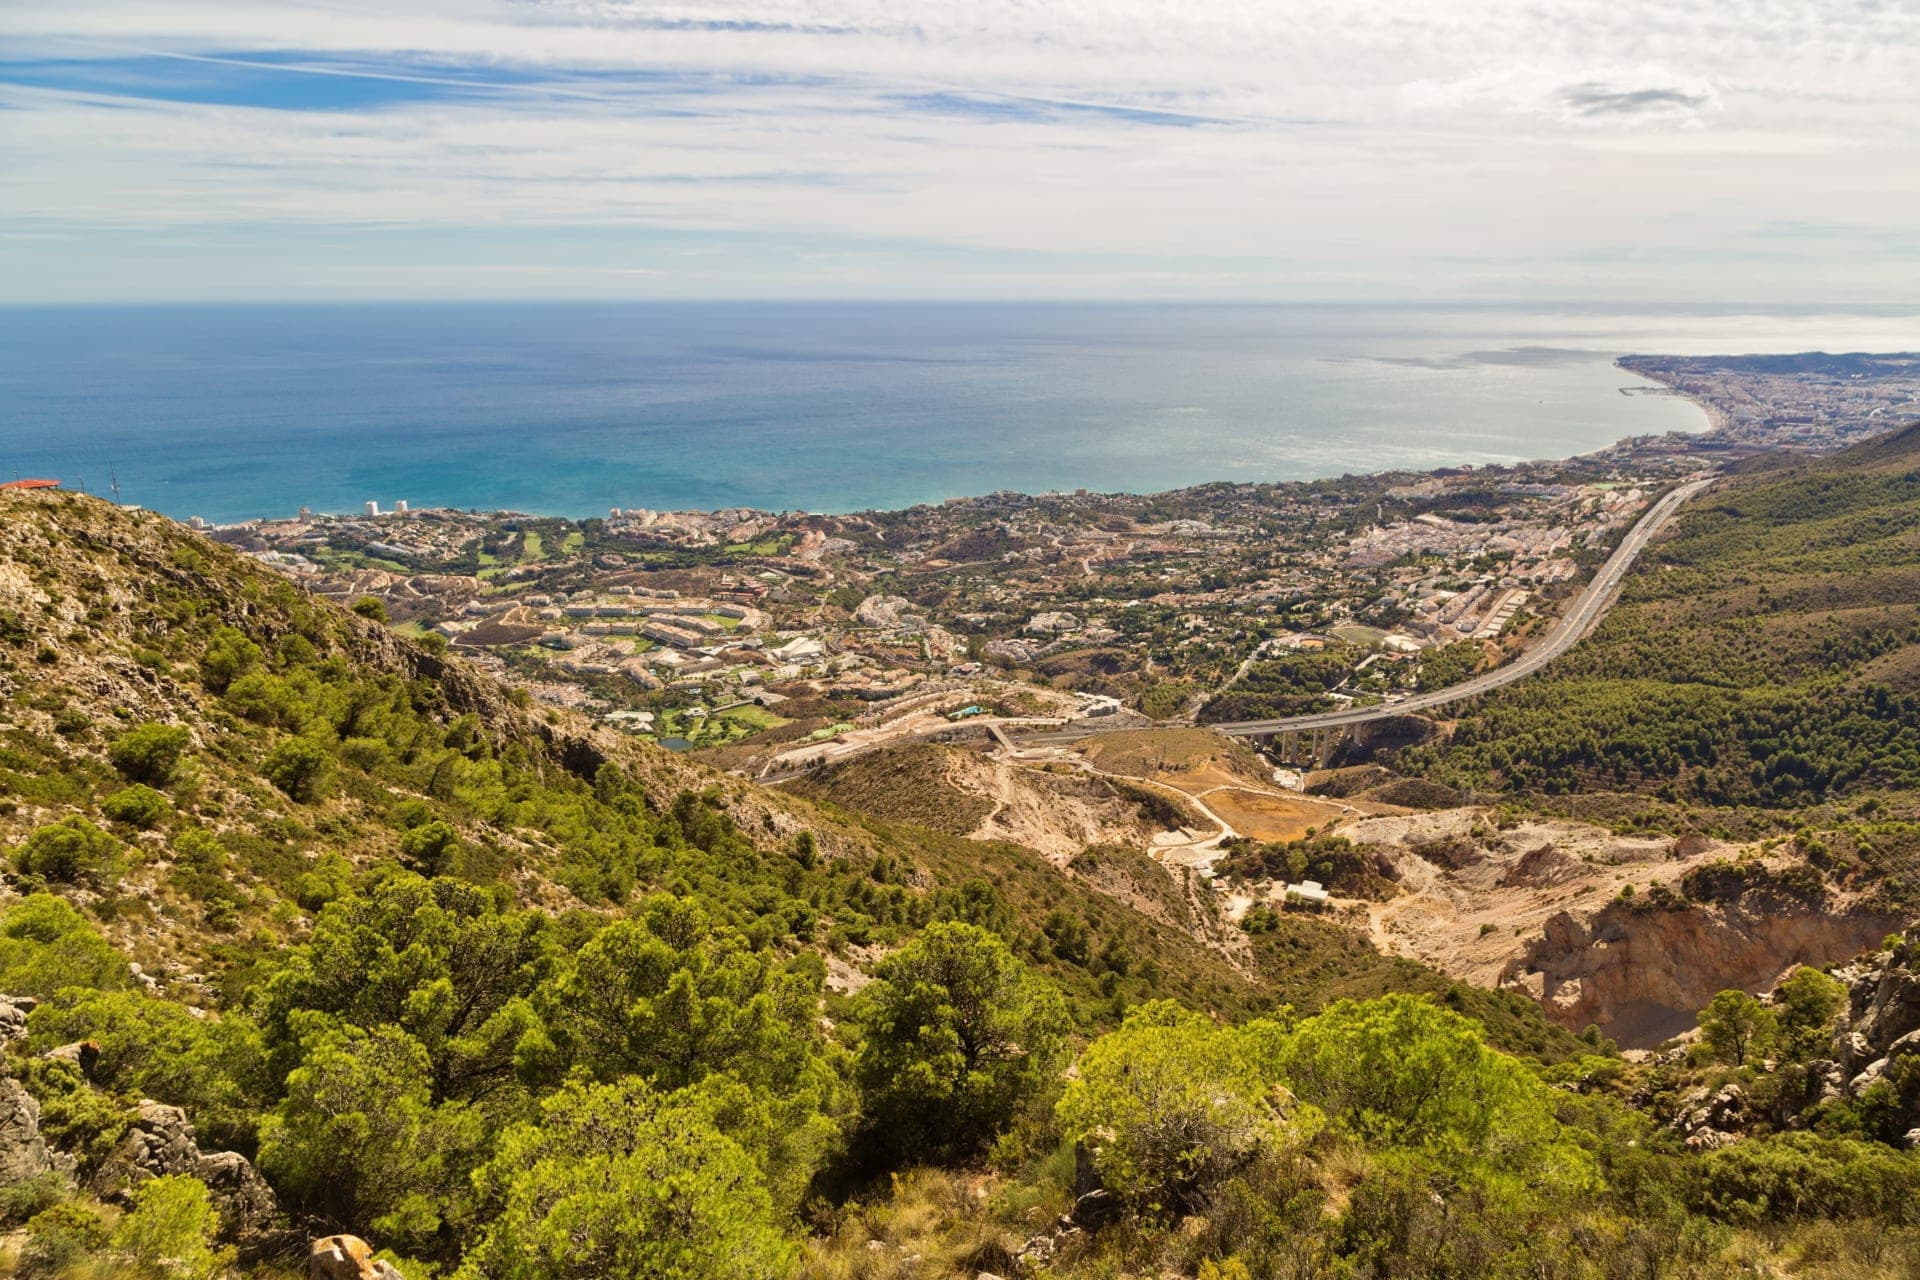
[[1473, 919], [1049, 815]]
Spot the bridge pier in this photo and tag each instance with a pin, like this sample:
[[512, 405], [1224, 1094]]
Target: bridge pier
[[1313, 748]]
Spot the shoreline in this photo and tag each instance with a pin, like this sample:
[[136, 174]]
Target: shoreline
[[1714, 422]]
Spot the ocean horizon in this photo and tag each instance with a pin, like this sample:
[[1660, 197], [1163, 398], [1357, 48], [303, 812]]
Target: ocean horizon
[[240, 412]]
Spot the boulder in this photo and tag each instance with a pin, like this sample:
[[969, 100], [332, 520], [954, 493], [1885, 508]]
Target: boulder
[[1864, 1081], [13, 1016], [23, 1153], [1853, 1050], [1037, 1252], [1829, 1078], [82, 1053], [1709, 1140], [346, 1258], [249, 1211], [1713, 1122], [1095, 1209]]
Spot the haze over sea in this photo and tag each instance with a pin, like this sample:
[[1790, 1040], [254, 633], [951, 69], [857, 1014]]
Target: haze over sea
[[571, 408]]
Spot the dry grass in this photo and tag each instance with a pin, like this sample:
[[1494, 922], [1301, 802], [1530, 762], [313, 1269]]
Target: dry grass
[[1261, 815], [934, 1224], [1147, 753]]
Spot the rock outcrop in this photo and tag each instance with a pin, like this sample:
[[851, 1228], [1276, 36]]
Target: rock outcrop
[[1642, 973], [23, 1153], [1882, 1023], [13, 1017], [161, 1142]]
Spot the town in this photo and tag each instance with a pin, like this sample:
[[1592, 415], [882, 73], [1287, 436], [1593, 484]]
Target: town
[[770, 642]]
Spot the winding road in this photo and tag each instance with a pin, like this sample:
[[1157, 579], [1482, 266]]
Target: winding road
[[1588, 608]]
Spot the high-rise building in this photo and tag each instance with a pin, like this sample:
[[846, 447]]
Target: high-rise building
[[373, 508]]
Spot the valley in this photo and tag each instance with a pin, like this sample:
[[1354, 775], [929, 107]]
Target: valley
[[314, 920]]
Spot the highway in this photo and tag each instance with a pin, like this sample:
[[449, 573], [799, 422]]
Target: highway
[[1588, 608]]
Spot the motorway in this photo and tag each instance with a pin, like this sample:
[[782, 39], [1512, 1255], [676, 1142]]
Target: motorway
[[1587, 610]]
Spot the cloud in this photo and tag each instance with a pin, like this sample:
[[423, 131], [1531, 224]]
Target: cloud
[[1601, 99], [1273, 146]]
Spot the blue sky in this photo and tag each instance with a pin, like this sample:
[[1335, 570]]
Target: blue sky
[[1748, 150]]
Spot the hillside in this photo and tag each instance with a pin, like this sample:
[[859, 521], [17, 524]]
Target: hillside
[[308, 928], [1762, 669]]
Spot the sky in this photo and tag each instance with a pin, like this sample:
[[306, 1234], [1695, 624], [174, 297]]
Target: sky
[[1608, 151]]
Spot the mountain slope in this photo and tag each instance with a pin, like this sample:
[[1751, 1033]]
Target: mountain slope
[[1764, 657]]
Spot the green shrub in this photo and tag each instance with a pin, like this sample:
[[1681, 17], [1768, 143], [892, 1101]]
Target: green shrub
[[229, 655], [71, 851], [1735, 1026], [370, 607], [151, 752], [1170, 1102], [171, 1229], [1401, 1071], [300, 767], [431, 848], [75, 1117], [59, 1237], [670, 1197], [30, 1196], [138, 806], [1802, 1175], [46, 945], [329, 879], [959, 1035]]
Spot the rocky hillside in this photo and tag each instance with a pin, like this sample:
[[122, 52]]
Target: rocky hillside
[[309, 930], [157, 685]]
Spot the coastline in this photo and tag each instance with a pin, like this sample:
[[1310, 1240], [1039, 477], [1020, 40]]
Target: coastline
[[1715, 421], [829, 409]]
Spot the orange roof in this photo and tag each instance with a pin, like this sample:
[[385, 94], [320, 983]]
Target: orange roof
[[30, 484]]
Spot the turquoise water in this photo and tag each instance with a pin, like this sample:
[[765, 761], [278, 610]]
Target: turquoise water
[[569, 409]]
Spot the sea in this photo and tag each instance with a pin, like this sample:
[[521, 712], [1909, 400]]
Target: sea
[[241, 412]]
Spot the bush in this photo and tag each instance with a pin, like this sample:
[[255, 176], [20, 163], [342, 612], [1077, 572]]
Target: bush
[[28, 1197], [153, 1048], [138, 806], [959, 1035], [71, 851], [1401, 1071], [1801, 1175], [59, 1237], [76, 1118], [357, 1139], [170, 1231], [46, 945], [1170, 1102], [150, 753], [370, 607], [1734, 1026], [617, 1184], [229, 656], [431, 848], [300, 767]]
